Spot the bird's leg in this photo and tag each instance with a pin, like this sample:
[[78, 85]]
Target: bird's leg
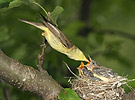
[[41, 56]]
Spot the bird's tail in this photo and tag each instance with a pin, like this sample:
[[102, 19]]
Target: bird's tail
[[38, 25]]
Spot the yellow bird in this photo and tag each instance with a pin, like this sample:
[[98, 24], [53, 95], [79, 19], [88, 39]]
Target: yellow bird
[[58, 40]]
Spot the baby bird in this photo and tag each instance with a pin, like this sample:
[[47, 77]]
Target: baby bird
[[96, 72]]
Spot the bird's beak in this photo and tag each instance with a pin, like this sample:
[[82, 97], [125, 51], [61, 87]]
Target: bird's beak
[[81, 66], [88, 60], [38, 25]]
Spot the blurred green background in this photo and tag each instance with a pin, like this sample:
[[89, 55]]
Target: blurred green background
[[103, 29]]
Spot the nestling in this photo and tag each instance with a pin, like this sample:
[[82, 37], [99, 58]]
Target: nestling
[[96, 72]]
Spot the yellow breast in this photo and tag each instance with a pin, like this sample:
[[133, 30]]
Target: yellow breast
[[54, 41]]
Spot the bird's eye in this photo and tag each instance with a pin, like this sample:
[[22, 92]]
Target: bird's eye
[[93, 63]]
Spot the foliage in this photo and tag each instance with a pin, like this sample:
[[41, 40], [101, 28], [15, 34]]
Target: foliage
[[109, 35], [68, 94], [55, 13]]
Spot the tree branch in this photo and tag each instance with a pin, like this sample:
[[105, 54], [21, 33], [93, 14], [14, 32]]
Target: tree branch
[[28, 79]]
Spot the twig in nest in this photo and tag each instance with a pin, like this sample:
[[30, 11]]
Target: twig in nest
[[71, 70], [98, 90], [131, 88], [41, 56]]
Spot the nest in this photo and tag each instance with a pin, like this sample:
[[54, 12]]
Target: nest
[[99, 90], [97, 82]]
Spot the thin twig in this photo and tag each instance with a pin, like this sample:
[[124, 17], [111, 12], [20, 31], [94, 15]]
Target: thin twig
[[70, 70], [41, 56]]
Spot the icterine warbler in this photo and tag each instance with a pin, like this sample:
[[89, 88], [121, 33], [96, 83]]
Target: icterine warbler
[[58, 40]]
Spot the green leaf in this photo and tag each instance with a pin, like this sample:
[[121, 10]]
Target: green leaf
[[8, 5], [68, 94], [55, 13], [15, 3]]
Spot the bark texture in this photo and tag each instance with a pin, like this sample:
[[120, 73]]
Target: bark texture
[[28, 79]]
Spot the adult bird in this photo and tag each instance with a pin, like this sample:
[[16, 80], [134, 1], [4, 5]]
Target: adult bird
[[58, 40]]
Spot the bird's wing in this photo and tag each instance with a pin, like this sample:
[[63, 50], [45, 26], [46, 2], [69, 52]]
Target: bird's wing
[[59, 34]]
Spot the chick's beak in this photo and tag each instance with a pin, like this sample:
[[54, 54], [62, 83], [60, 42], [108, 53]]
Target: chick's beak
[[89, 60], [81, 66]]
